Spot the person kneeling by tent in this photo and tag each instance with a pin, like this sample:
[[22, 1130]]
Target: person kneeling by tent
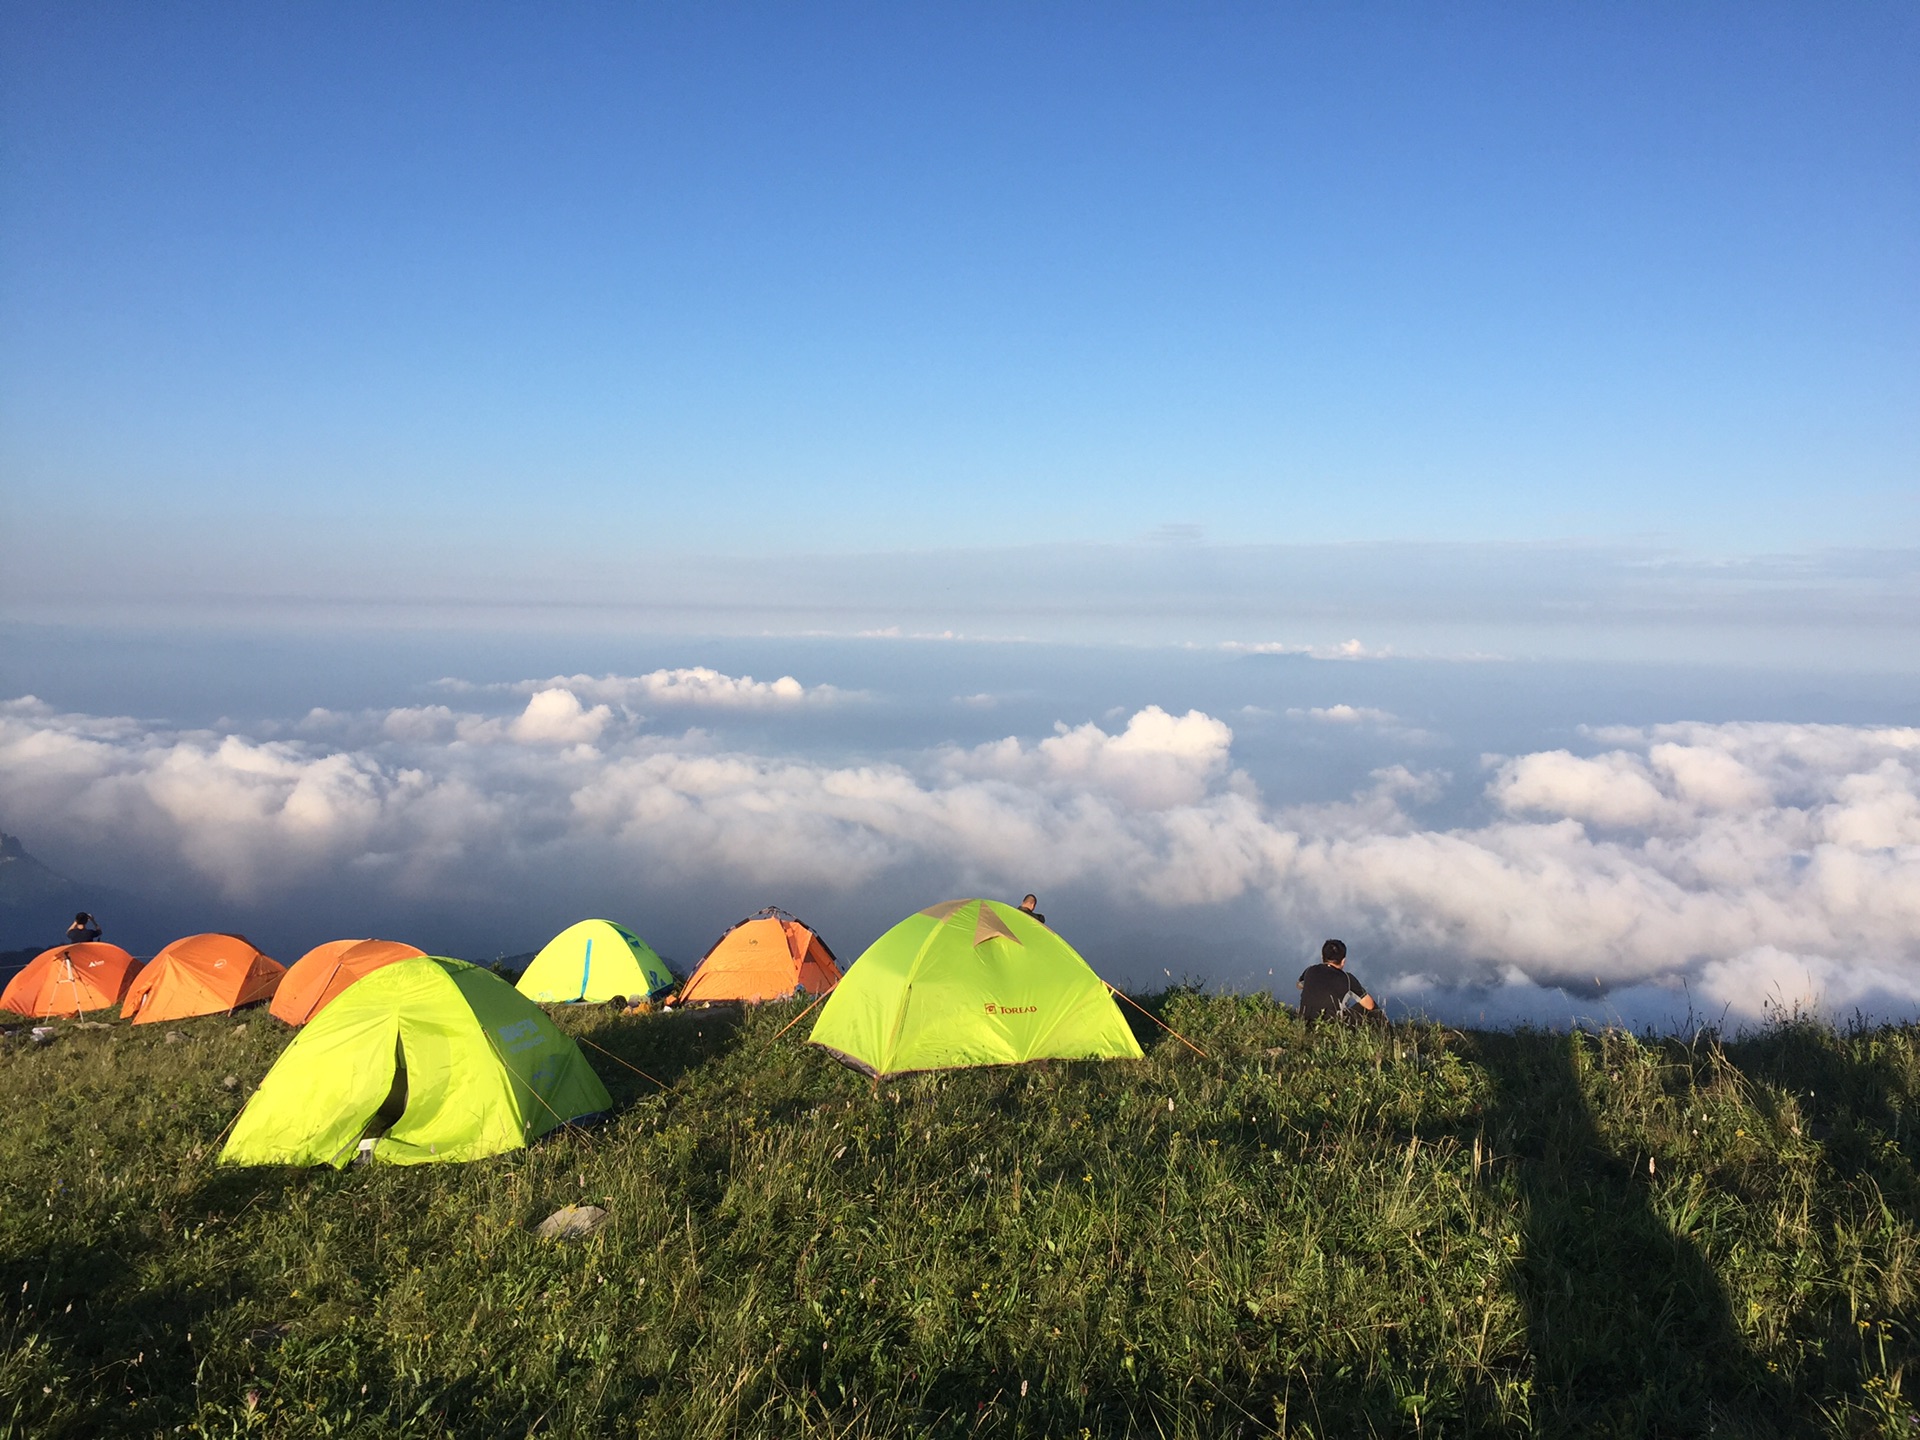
[[1327, 991]]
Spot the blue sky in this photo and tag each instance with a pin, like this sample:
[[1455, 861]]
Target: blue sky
[[1449, 473], [612, 282]]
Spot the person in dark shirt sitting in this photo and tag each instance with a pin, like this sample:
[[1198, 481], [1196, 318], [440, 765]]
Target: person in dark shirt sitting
[[1028, 906], [84, 930], [1325, 988]]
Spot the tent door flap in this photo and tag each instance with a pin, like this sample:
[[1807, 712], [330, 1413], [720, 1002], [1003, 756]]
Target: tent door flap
[[395, 1105]]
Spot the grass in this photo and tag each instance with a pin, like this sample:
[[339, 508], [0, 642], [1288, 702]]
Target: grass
[[1332, 1233]]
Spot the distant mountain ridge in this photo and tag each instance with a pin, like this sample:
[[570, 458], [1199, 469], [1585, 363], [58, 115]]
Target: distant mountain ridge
[[37, 903], [33, 900], [25, 881]]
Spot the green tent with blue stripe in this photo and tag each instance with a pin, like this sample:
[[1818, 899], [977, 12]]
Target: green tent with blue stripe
[[595, 960]]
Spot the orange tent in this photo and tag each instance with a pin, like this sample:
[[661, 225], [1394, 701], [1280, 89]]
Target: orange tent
[[324, 971], [201, 975], [70, 980], [763, 958]]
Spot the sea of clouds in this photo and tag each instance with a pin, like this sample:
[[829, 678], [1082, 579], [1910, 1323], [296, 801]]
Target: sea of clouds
[[1722, 870]]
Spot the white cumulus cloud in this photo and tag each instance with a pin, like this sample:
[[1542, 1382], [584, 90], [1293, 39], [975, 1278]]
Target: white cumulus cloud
[[1730, 866], [556, 717], [1344, 715], [697, 685]]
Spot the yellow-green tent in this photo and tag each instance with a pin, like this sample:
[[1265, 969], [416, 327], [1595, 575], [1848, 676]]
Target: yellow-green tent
[[970, 982], [432, 1059], [595, 960]]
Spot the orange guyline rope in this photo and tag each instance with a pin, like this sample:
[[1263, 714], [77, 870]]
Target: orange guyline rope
[[572, 1125], [1158, 1021], [618, 1061], [798, 1018]]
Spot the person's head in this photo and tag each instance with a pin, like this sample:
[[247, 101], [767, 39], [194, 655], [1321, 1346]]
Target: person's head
[[82, 918], [1334, 953], [1030, 902]]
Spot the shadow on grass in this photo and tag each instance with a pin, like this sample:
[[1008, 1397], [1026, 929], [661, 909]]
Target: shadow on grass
[[1849, 1093], [94, 1351], [648, 1055], [1853, 1098], [1629, 1329]]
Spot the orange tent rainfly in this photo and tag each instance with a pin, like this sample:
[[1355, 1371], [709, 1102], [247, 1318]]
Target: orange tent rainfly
[[201, 975], [70, 980], [324, 971], [763, 958]]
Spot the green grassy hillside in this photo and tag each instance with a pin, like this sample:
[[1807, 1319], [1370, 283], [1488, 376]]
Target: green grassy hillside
[[1333, 1234]]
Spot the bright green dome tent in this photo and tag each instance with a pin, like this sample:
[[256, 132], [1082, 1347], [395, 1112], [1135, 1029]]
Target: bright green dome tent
[[970, 982], [437, 1058], [595, 960]]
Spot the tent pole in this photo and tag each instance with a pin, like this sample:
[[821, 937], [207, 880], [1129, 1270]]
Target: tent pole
[[323, 989]]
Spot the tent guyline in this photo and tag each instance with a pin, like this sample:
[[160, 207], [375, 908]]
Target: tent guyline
[[798, 1018], [562, 1119], [618, 1061], [1158, 1021]]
